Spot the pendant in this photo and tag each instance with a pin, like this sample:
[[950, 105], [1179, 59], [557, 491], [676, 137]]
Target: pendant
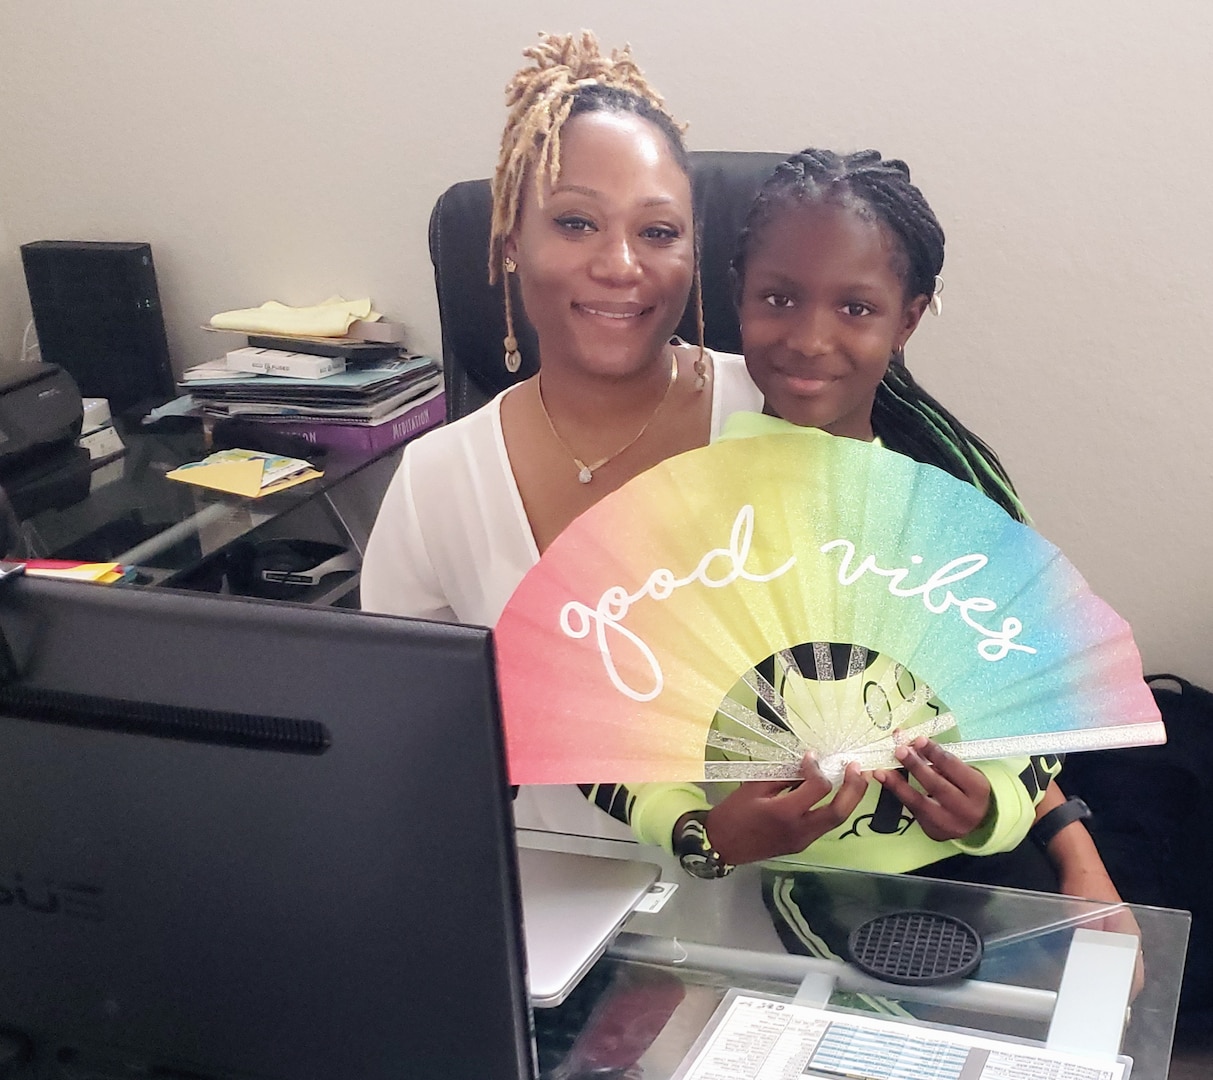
[[585, 476]]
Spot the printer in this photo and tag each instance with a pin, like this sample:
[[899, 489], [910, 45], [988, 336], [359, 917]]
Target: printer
[[41, 467], [40, 410]]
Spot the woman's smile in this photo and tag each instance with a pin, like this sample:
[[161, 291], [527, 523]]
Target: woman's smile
[[617, 312]]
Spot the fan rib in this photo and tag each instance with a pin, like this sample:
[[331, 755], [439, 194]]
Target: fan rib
[[858, 661], [1064, 742], [823, 660], [749, 748], [766, 694], [746, 717], [915, 701], [752, 770]]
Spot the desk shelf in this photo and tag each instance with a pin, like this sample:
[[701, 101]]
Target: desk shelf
[[181, 536]]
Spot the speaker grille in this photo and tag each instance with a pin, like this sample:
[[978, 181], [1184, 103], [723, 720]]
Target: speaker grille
[[916, 947]]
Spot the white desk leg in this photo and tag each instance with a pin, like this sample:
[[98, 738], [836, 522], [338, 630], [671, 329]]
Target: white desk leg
[[815, 989], [1094, 994]]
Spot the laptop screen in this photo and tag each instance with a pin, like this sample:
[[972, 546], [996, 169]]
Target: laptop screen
[[573, 906]]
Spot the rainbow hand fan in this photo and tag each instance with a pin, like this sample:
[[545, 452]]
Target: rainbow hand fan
[[669, 625]]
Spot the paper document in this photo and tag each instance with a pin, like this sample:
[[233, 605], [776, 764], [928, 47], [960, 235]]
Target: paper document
[[759, 1038]]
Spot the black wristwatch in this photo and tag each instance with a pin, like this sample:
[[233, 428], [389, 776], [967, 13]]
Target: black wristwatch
[[1073, 809], [694, 849]]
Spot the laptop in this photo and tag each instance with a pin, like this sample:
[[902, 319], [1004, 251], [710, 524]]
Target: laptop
[[572, 908]]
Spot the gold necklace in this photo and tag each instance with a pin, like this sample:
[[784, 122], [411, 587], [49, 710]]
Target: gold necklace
[[585, 473]]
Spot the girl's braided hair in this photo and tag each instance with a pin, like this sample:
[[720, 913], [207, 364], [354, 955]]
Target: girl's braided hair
[[904, 416]]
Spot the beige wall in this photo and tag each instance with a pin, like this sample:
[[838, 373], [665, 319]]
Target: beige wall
[[294, 149]]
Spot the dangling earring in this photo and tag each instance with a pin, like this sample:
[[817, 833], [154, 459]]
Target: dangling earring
[[936, 304], [700, 366], [513, 358]]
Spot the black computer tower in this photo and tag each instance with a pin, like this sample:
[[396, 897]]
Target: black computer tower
[[97, 311]]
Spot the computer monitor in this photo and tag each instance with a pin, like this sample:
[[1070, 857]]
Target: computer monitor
[[96, 307], [246, 839]]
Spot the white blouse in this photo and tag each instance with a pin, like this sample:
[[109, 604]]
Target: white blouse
[[452, 542]]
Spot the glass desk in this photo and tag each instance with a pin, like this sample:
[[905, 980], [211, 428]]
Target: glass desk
[[179, 534], [661, 980]]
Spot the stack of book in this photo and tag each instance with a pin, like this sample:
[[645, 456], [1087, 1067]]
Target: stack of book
[[353, 395]]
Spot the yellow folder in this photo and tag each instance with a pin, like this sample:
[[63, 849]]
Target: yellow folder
[[237, 477]]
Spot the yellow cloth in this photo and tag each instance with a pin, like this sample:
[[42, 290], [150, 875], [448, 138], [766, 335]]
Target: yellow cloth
[[331, 318]]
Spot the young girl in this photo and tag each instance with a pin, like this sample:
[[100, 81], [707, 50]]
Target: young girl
[[835, 267]]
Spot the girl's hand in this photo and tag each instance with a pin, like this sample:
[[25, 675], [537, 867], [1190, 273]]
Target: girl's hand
[[763, 819], [955, 797]]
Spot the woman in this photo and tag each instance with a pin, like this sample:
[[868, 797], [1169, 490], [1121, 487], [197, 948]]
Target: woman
[[592, 212]]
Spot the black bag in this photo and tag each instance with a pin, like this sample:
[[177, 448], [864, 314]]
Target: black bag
[[1152, 820]]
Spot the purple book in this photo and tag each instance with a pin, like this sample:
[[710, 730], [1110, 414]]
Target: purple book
[[371, 438]]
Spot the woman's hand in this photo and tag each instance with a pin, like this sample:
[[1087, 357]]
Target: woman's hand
[[1081, 872], [1088, 881], [763, 819], [1086, 877], [955, 797]]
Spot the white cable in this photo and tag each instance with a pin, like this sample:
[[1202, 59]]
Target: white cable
[[26, 348]]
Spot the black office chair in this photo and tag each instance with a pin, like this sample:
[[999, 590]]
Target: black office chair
[[473, 319]]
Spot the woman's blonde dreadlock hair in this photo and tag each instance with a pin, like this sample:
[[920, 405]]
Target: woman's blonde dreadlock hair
[[568, 75]]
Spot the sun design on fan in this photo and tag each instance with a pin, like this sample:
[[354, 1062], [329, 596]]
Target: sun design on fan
[[795, 701]]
